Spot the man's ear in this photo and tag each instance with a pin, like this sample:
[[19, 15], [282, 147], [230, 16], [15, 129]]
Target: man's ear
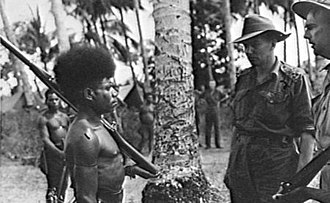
[[88, 94], [274, 43]]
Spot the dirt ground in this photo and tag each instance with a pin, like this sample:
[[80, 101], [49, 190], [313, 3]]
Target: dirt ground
[[24, 183]]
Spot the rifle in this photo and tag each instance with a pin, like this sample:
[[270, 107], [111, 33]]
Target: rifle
[[49, 81], [306, 174]]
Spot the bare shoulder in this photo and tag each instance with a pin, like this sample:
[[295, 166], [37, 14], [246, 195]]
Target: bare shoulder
[[63, 115], [82, 132], [84, 142], [42, 120]]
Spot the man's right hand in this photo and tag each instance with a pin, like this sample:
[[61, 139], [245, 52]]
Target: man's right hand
[[297, 195], [136, 170]]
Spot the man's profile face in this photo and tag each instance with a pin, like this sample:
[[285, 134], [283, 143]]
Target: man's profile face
[[53, 101], [106, 92], [317, 30], [258, 49]]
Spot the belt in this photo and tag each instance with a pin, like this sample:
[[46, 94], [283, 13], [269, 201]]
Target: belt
[[264, 137]]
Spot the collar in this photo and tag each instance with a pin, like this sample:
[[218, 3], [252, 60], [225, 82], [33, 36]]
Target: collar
[[274, 73], [276, 67]]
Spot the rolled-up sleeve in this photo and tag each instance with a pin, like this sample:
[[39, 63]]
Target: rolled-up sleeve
[[302, 117]]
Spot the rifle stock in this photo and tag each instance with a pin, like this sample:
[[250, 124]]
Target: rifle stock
[[306, 174], [125, 147]]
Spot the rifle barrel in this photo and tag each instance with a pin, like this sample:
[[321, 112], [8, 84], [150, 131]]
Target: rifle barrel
[[128, 149], [42, 75]]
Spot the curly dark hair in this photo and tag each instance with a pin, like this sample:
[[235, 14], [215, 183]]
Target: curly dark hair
[[49, 92], [82, 67]]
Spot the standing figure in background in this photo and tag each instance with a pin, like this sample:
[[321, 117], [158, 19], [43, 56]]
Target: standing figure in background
[[212, 97], [146, 116], [200, 107], [53, 126], [271, 107]]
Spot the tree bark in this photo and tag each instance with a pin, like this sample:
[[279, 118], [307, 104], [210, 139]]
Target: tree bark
[[230, 45], [59, 17], [20, 73], [176, 141]]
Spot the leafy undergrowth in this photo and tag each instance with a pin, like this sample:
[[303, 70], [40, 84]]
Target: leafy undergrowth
[[20, 138]]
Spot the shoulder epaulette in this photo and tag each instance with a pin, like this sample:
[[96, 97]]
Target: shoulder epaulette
[[243, 72], [89, 133], [292, 72]]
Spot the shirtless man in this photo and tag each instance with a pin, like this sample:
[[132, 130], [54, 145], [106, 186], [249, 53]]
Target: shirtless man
[[53, 126], [147, 119], [86, 77]]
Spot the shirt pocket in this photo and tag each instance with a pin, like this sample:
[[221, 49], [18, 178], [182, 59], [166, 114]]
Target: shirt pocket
[[240, 104], [276, 104]]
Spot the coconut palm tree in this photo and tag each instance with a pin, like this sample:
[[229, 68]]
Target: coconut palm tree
[[100, 22], [59, 14], [213, 56], [20, 73], [176, 143], [31, 36]]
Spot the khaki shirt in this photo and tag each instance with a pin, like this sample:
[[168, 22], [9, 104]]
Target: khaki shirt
[[281, 104], [321, 110]]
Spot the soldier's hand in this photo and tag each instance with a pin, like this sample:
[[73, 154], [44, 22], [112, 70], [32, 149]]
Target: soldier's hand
[[129, 171], [297, 195]]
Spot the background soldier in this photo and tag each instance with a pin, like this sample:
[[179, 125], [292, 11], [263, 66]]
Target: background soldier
[[212, 97]]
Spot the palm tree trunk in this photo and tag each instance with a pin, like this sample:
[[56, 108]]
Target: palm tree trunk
[[256, 7], [309, 67], [146, 87], [59, 17], [208, 58], [126, 44], [102, 22], [284, 43], [20, 73], [176, 141], [297, 41], [230, 46]]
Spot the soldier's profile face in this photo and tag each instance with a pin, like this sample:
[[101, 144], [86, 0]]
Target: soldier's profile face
[[317, 28]]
